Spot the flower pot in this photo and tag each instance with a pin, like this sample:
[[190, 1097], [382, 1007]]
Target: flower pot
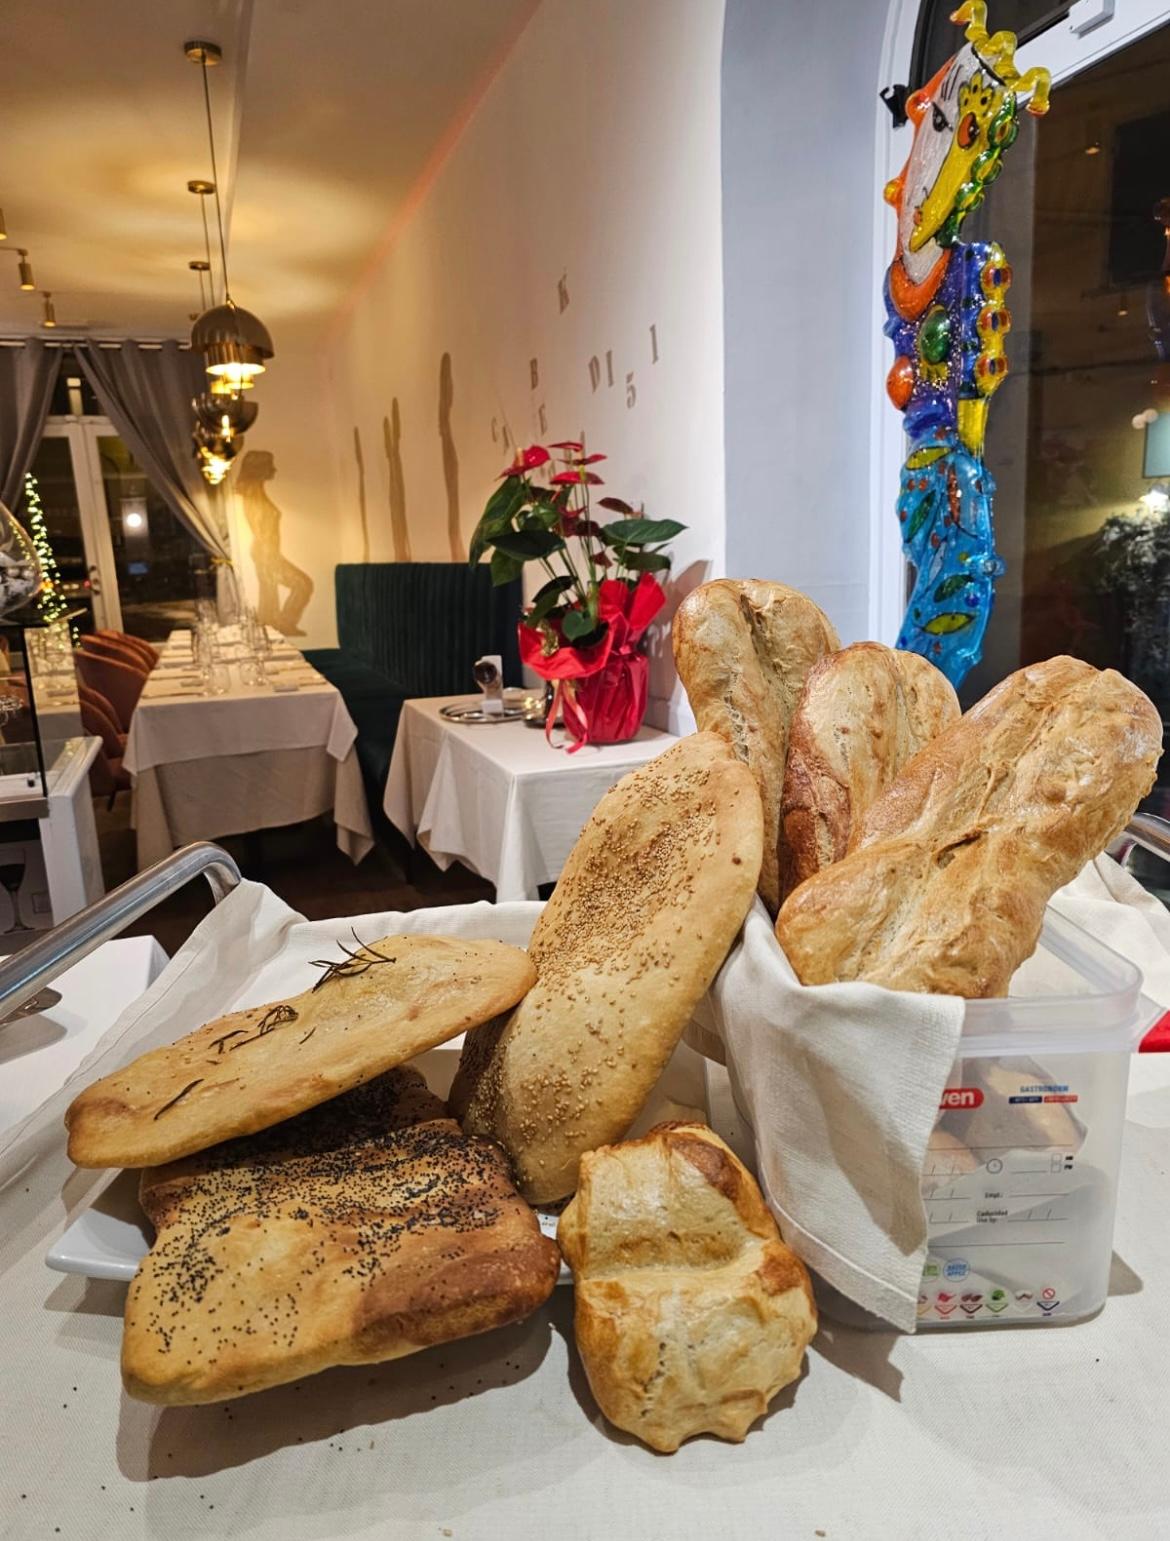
[[608, 707]]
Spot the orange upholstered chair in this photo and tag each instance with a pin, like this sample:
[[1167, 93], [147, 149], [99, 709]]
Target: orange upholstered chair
[[118, 682], [108, 648], [148, 654]]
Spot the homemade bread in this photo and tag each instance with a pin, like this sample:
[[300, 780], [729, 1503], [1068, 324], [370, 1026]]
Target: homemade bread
[[646, 908], [743, 649], [374, 1007], [951, 868], [863, 713], [690, 1311], [345, 1236]]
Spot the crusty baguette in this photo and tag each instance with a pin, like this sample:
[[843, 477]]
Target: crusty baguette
[[864, 712], [946, 885], [646, 908], [386, 1003], [690, 1312], [348, 1235], [743, 649]]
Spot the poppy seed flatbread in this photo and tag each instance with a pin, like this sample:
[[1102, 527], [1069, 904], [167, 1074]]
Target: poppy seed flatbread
[[375, 1007], [348, 1235]]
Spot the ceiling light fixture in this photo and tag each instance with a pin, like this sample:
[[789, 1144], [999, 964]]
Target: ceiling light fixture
[[234, 342], [3, 227], [50, 316], [224, 415], [197, 265], [27, 281]]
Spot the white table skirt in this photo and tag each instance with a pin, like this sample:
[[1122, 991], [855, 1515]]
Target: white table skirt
[[207, 766], [233, 794], [499, 798], [1049, 1434]]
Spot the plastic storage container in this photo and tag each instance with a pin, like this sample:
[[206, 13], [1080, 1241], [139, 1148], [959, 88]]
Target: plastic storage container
[[1020, 1179]]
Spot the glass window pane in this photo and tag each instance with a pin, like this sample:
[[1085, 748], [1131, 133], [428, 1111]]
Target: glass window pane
[[938, 37], [53, 468], [155, 556]]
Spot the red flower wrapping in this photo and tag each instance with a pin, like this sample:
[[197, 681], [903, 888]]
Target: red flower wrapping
[[601, 689]]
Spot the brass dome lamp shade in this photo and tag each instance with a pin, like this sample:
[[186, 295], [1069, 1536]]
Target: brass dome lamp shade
[[224, 415], [235, 344], [215, 452]]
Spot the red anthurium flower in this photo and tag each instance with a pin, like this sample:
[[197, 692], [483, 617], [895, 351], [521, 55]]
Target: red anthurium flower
[[568, 444], [527, 460], [563, 478], [589, 460]]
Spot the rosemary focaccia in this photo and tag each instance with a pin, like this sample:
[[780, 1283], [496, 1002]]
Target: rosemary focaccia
[[377, 1006], [352, 1234]]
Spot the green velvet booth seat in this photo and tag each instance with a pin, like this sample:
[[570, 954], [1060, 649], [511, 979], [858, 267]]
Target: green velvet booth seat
[[411, 629]]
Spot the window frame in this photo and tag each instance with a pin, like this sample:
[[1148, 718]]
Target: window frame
[[1092, 31]]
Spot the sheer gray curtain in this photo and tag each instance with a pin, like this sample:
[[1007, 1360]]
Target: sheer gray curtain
[[146, 393], [28, 375]]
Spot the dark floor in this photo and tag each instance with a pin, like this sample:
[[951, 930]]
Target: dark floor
[[300, 863]]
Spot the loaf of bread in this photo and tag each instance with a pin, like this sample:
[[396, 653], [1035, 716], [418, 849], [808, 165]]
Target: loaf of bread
[[864, 712], [743, 650], [374, 1007], [348, 1235], [950, 871], [690, 1312], [647, 906]]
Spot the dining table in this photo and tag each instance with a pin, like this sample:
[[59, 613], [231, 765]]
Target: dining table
[[265, 741], [499, 796]]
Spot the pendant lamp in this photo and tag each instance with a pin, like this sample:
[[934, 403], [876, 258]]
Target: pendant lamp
[[234, 343], [225, 415]]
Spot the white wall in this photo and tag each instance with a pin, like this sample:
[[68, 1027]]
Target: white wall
[[593, 158]]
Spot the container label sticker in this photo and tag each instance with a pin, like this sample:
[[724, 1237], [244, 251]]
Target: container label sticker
[[956, 1098]]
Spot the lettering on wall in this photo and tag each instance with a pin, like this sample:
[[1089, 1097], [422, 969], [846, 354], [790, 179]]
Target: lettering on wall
[[273, 569], [594, 372], [631, 391], [563, 293], [654, 344], [534, 373]]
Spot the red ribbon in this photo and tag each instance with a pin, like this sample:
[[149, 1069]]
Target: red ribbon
[[627, 613]]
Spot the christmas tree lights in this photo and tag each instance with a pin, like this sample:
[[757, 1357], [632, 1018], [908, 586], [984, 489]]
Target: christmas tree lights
[[51, 602]]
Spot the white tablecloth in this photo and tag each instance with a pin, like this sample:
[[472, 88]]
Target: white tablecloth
[[254, 758], [500, 798], [1049, 1434]]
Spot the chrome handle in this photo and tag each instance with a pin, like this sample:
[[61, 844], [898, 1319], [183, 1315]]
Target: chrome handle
[[24, 973], [1146, 830]]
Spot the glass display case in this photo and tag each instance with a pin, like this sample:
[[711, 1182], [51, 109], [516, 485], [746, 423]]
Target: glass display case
[[40, 716]]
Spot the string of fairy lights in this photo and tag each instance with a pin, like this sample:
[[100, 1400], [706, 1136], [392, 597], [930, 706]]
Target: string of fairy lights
[[52, 605]]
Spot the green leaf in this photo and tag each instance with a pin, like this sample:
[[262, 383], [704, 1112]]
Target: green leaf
[[502, 507], [577, 624], [505, 567], [529, 544], [541, 516], [646, 561], [545, 600], [949, 621], [951, 586], [642, 532], [919, 517]]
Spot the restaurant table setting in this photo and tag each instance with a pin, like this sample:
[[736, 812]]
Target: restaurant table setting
[[498, 796], [237, 732]]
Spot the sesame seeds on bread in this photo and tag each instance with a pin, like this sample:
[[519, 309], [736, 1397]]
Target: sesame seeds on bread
[[647, 906], [349, 1235]]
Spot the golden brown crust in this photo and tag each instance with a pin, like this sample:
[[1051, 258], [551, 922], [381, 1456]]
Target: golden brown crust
[[646, 908], [691, 1313], [346, 1236], [253, 1068], [864, 712], [951, 869], [743, 649]]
